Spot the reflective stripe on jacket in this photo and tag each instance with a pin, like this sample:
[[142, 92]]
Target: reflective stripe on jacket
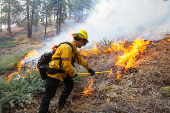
[[64, 51]]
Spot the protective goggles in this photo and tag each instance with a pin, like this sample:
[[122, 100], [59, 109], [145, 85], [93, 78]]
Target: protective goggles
[[85, 41]]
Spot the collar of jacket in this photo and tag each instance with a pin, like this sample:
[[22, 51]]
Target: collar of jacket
[[74, 47]]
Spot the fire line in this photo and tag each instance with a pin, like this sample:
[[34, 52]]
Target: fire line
[[20, 64], [88, 89]]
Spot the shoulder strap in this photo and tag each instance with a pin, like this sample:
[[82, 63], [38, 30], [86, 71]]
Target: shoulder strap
[[64, 43], [68, 44]]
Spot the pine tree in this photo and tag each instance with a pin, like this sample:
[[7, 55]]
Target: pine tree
[[37, 9], [78, 9], [10, 7], [7, 10], [1, 17], [31, 12], [28, 18], [32, 17], [46, 14], [60, 6], [70, 8]]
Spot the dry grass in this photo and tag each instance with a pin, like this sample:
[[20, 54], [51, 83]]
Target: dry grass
[[135, 92]]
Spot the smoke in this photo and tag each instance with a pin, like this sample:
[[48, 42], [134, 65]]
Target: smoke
[[128, 18], [125, 19], [122, 19]]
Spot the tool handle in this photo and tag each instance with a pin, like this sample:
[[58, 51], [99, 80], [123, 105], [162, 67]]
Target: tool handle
[[95, 73]]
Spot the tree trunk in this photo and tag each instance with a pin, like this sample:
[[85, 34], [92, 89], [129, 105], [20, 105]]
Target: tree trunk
[[1, 21], [78, 18], [54, 15], [28, 20], [46, 20], [32, 16], [7, 24], [75, 18], [69, 14], [9, 20], [60, 18], [57, 20], [46, 24]]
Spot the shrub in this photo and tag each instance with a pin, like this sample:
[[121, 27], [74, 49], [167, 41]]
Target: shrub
[[10, 61], [104, 44], [166, 90], [17, 34], [6, 42], [20, 89], [2, 52], [78, 69]]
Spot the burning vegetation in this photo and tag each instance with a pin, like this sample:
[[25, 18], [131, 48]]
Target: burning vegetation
[[133, 89], [21, 64], [137, 69]]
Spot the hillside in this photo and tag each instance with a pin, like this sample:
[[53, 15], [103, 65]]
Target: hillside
[[137, 90], [131, 41], [17, 42]]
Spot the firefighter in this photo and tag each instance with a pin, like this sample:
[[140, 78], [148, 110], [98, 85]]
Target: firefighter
[[68, 55]]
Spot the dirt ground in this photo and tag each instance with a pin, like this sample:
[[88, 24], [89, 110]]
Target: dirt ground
[[137, 91]]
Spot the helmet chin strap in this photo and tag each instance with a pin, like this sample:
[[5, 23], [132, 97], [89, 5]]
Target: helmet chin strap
[[85, 42]]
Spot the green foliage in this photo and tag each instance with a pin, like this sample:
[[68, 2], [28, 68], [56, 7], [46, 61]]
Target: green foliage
[[0, 108], [6, 39], [79, 69], [12, 8], [166, 90], [6, 42], [10, 61], [2, 52], [78, 7], [17, 34], [21, 89]]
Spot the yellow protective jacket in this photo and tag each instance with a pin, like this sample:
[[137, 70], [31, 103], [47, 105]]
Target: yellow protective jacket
[[64, 51]]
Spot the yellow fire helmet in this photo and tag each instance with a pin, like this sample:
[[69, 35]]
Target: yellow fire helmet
[[81, 34]]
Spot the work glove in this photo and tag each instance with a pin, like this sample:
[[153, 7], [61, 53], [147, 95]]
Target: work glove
[[75, 75], [91, 71]]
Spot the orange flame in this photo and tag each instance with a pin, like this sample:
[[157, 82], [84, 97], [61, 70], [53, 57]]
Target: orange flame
[[127, 60], [152, 43], [91, 51], [30, 54], [164, 41], [114, 47], [118, 46], [109, 73], [95, 44], [28, 70], [20, 64], [168, 40], [88, 89], [118, 75]]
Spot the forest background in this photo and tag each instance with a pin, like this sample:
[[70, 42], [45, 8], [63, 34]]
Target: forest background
[[28, 24]]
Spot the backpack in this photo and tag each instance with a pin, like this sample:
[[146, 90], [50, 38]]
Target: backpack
[[45, 59]]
